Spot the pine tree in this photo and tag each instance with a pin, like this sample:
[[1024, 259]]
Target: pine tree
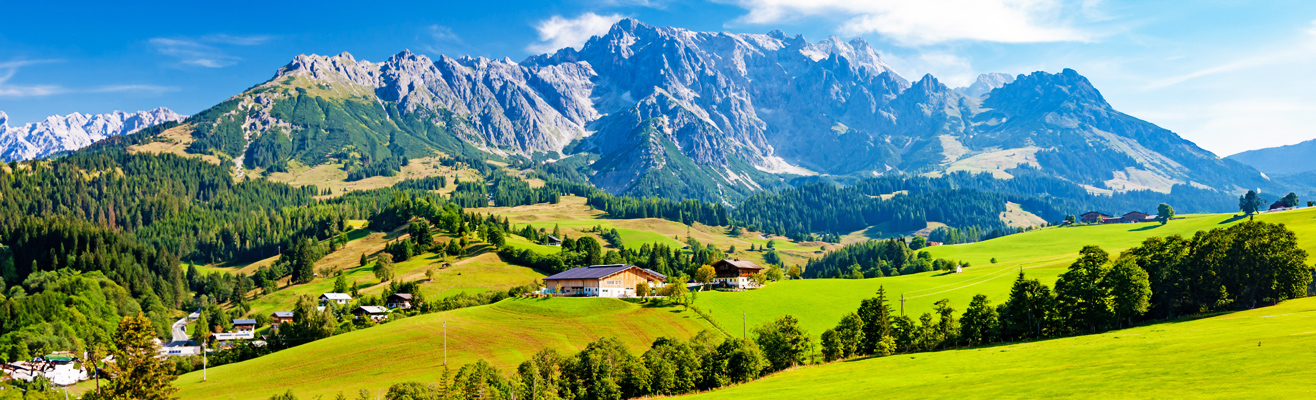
[[137, 371]]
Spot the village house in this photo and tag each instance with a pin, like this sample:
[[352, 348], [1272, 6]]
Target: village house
[[336, 298], [398, 300], [736, 273], [552, 240], [618, 280], [244, 325], [1279, 206], [1092, 217], [1132, 217], [376, 313], [280, 317]]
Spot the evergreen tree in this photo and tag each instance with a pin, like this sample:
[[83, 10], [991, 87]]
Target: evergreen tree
[[1029, 311], [137, 371], [876, 316]]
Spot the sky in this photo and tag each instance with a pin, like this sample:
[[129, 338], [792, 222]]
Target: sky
[[1228, 75]]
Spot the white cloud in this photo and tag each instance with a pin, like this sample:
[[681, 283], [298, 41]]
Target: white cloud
[[439, 38], [10, 68], [916, 23], [952, 70], [204, 52], [557, 32]]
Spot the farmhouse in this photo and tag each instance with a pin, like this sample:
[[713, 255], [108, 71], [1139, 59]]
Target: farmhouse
[[244, 325], [618, 280], [398, 300], [736, 273], [1279, 206], [279, 317], [552, 240], [1132, 217], [376, 313], [1093, 217], [336, 298]]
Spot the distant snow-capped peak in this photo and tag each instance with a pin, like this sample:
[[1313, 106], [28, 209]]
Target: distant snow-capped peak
[[59, 133]]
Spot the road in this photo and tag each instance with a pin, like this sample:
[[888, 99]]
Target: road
[[180, 333]]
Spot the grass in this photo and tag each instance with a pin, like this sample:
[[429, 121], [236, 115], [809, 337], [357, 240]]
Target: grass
[[333, 176], [411, 349], [574, 219], [480, 272], [1042, 254], [1260, 353]]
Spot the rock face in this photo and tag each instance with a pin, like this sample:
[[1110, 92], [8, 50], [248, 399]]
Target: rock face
[[74, 131], [986, 83], [716, 116]]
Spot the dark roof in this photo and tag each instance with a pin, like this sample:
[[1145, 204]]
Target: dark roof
[[742, 264], [1095, 212], [404, 296], [597, 272], [244, 322], [283, 314], [1278, 204], [553, 238]]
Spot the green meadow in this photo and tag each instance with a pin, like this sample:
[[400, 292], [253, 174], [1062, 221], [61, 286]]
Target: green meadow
[[1043, 254], [412, 349], [1263, 353]]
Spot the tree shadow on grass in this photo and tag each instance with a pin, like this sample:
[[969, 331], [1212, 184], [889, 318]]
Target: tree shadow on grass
[[1233, 218], [1147, 228]]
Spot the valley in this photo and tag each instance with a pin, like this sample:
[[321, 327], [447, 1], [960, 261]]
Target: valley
[[636, 211]]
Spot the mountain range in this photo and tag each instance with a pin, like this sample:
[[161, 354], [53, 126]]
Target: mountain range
[[74, 131], [663, 111]]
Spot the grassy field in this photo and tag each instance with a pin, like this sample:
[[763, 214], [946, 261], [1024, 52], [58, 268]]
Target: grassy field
[[1261, 353], [1043, 254], [411, 349], [574, 219]]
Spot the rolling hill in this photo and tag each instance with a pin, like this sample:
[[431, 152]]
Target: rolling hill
[[1043, 254], [412, 349], [1259, 353]]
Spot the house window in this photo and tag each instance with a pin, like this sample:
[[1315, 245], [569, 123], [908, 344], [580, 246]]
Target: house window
[[614, 283]]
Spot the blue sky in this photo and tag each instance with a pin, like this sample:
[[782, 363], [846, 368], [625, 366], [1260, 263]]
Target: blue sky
[[1229, 75]]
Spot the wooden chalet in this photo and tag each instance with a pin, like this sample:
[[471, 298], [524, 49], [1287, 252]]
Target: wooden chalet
[[398, 300], [280, 317], [736, 273], [244, 325], [376, 313], [618, 280], [1093, 217]]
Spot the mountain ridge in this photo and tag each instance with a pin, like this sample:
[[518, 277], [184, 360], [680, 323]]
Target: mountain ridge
[[60, 133], [670, 112]]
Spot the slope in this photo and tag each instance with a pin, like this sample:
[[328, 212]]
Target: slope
[[1043, 254], [1279, 161], [412, 349], [1257, 353]]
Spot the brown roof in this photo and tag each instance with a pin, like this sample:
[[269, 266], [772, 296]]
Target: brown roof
[[599, 272], [742, 264]]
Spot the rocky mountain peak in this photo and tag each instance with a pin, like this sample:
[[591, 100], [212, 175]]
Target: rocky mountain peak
[[985, 84], [59, 133]]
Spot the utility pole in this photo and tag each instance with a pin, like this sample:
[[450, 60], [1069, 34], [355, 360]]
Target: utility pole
[[204, 362], [902, 304], [744, 327]]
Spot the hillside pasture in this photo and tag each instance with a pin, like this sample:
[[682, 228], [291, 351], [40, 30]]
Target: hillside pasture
[[412, 349], [1260, 353]]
